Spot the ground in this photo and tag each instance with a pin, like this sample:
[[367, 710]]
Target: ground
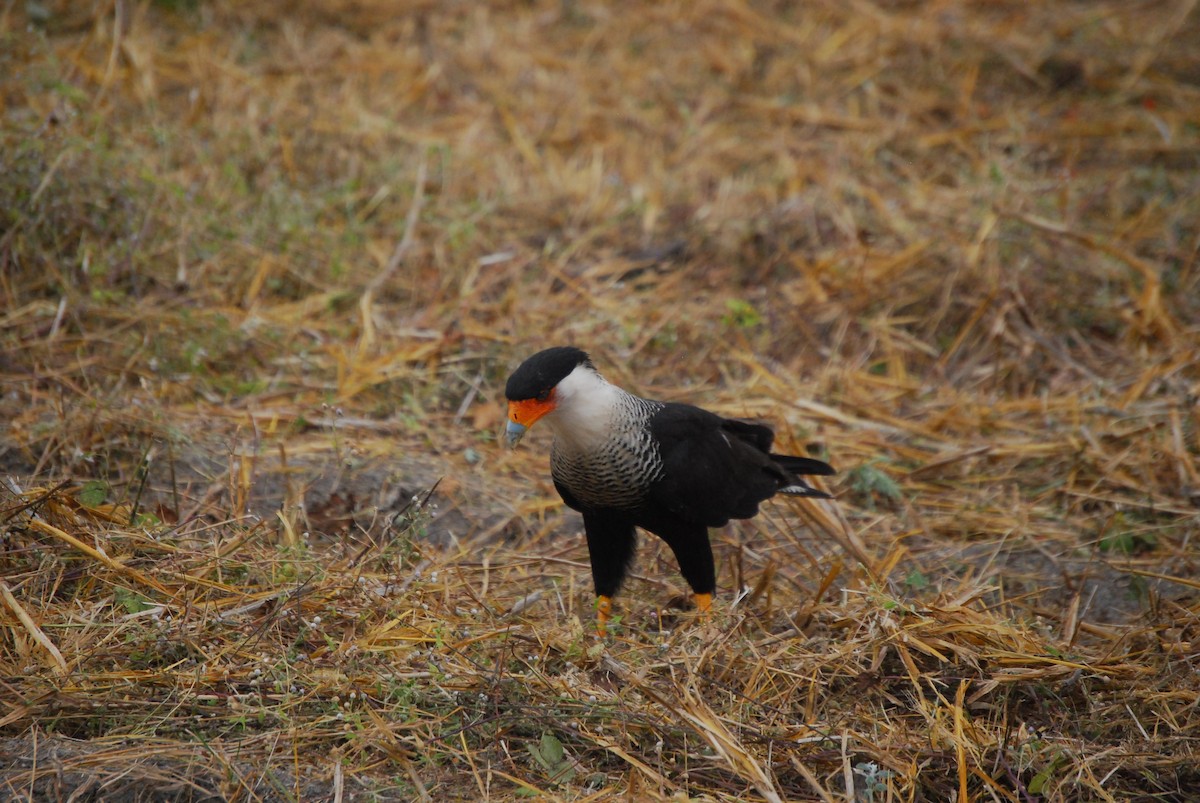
[[265, 268]]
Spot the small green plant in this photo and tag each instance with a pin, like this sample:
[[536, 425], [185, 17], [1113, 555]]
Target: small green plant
[[93, 493], [916, 580], [872, 482], [551, 756], [874, 781], [740, 314], [1128, 543], [1038, 784], [131, 601], [1119, 537]]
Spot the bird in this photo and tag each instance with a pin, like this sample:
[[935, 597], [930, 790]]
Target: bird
[[625, 462]]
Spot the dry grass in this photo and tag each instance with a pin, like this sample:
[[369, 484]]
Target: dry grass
[[265, 266]]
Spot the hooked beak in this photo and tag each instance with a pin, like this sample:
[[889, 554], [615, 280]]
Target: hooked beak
[[513, 433], [522, 415]]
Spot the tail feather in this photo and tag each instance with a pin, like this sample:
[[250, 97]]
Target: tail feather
[[796, 467], [799, 488]]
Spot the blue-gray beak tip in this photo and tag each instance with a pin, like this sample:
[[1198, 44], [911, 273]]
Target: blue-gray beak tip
[[513, 433]]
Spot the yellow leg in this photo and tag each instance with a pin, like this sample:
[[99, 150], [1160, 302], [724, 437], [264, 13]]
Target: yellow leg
[[603, 611], [703, 603]]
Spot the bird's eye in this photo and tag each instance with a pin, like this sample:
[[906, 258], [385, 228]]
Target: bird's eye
[[545, 394]]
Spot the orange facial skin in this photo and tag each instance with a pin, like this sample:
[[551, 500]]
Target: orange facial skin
[[527, 411], [522, 415]]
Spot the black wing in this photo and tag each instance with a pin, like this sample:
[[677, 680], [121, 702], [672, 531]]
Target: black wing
[[761, 437], [714, 469]]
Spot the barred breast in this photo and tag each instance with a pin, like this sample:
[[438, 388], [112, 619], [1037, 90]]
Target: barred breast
[[618, 472]]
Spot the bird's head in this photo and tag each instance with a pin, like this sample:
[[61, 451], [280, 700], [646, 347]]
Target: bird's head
[[533, 389]]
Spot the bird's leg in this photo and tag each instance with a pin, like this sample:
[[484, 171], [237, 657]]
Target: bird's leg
[[603, 611], [694, 553], [610, 539]]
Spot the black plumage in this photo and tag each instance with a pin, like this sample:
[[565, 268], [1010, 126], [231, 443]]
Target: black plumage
[[625, 462], [541, 372]]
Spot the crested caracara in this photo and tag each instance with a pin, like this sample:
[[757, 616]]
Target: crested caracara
[[625, 462]]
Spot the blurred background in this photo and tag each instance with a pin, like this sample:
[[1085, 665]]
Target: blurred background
[[275, 260]]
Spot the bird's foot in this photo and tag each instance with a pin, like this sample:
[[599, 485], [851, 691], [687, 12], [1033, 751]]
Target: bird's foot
[[703, 604], [603, 612]]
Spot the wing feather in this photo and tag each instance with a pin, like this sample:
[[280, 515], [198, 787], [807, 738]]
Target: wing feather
[[714, 469]]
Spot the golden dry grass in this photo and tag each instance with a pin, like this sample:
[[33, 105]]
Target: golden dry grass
[[265, 268]]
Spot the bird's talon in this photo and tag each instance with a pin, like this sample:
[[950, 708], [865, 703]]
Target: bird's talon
[[603, 612]]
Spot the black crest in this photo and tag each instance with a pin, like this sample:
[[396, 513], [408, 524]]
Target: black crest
[[543, 371]]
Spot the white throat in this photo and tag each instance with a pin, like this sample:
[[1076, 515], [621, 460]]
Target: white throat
[[585, 404]]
